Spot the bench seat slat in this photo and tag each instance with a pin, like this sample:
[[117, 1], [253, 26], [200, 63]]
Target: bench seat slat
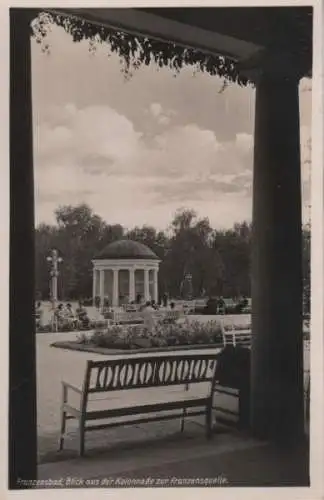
[[152, 408], [225, 410], [230, 391], [118, 388], [143, 420]]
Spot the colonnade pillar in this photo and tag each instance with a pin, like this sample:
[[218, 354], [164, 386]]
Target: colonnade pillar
[[146, 285], [131, 285], [131, 268], [22, 437], [94, 286], [155, 285], [277, 340], [115, 301], [101, 286]]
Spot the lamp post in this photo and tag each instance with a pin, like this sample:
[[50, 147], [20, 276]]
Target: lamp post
[[55, 260]]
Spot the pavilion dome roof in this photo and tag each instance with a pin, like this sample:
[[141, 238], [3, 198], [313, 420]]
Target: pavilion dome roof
[[126, 249]]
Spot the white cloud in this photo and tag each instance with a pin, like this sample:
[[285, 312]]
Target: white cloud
[[244, 141], [162, 117], [164, 120], [95, 155], [94, 143], [156, 109]]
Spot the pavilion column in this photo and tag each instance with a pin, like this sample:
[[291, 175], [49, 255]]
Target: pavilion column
[[131, 284], [277, 345], [22, 460], [155, 285], [146, 285], [101, 286], [94, 285], [115, 287]]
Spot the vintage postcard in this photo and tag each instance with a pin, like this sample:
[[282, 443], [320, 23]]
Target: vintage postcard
[[165, 276]]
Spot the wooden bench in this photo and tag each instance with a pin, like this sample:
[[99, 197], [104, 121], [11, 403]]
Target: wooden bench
[[127, 318], [152, 375], [171, 316], [236, 335], [137, 317]]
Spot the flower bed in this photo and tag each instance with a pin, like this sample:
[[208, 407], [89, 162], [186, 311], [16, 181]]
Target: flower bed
[[137, 338], [130, 337]]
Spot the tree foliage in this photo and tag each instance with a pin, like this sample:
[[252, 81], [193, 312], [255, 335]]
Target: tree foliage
[[219, 261]]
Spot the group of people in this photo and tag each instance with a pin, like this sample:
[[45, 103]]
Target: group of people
[[139, 302], [153, 306], [65, 316]]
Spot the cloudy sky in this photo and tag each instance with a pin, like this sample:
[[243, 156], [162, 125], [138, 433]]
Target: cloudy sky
[[137, 150]]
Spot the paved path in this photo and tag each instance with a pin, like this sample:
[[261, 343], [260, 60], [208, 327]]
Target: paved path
[[55, 365]]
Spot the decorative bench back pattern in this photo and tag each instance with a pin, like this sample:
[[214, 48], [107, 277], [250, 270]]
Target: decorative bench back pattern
[[135, 373]]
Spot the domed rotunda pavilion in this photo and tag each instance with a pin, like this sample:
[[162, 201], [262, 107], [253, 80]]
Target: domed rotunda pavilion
[[123, 270]]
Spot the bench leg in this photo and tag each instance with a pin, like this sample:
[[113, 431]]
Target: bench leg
[[209, 423], [184, 411], [81, 437], [183, 419], [63, 417], [209, 417], [63, 429]]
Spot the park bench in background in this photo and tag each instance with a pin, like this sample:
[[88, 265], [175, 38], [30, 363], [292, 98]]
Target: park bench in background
[[150, 389], [171, 316], [137, 317], [131, 307], [127, 318], [236, 334]]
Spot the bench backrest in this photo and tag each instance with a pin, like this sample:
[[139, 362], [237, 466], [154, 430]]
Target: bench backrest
[[136, 373], [138, 316], [234, 335], [237, 337], [126, 317], [173, 314]]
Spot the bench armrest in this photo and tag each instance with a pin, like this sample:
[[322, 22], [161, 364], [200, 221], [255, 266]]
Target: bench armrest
[[66, 385]]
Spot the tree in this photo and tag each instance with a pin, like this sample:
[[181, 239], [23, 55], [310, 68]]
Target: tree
[[234, 247], [219, 261], [189, 251]]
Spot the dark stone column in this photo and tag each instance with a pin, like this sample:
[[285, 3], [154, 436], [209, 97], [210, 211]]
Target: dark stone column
[[22, 370], [277, 348]]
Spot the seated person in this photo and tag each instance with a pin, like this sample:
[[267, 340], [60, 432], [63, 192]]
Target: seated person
[[154, 305], [106, 307], [82, 316], [59, 311], [69, 311], [69, 316], [148, 316], [59, 315]]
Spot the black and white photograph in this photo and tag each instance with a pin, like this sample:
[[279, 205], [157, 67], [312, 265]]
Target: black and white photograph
[[161, 246]]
